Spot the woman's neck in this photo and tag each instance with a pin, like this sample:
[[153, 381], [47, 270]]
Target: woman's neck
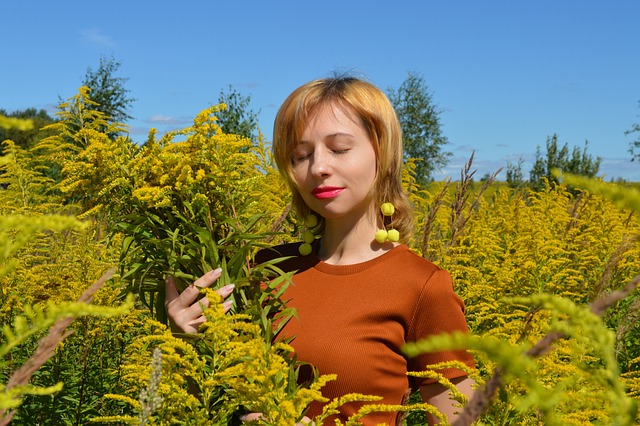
[[350, 242]]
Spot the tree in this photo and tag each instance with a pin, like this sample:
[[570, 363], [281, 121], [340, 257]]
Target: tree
[[108, 91], [238, 118], [579, 162], [515, 176], [634, 146], [26, 138], [420, 122]]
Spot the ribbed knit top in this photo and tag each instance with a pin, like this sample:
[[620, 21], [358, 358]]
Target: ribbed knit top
[[353, 320]]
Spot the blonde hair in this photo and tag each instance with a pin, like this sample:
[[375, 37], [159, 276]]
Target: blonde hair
[[376, 114]]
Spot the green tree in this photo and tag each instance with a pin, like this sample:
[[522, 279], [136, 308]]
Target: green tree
[[577, 162], [238, 118], [420, 121], [25, 138], [108, 91], [634, 146], [515, 175]]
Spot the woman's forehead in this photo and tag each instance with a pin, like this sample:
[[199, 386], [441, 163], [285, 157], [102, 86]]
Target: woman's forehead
[[330, 112]]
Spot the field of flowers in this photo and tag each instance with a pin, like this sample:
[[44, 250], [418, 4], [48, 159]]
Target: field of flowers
[[90, 226]]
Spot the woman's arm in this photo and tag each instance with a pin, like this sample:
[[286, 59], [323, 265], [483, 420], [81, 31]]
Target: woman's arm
[[438, 396]]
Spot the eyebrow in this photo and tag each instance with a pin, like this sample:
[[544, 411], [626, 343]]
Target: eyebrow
[[331, 136]]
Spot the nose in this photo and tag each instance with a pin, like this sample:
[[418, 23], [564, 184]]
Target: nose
[[320, 164]]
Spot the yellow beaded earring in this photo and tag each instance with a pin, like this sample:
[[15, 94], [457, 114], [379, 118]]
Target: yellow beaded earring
[[392, 235], [311, 221]]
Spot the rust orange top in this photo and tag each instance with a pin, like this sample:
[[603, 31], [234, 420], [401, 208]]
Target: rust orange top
[[354, 319]]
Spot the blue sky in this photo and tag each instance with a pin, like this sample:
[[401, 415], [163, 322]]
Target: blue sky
[[505, 74]]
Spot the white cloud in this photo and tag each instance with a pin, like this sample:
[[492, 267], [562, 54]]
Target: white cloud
[[167, 120], [465, 148], [159, 118], [614, 168], [95, 36]]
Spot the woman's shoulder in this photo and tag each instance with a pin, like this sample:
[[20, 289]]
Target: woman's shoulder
[[418, 273], [410, 259]]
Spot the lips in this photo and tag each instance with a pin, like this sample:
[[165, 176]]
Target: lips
[[326, 192]]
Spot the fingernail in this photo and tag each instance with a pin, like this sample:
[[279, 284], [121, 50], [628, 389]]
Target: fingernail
[[227, 305], [216, 272]]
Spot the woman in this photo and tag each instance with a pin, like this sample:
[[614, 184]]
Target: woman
[[359, 297]]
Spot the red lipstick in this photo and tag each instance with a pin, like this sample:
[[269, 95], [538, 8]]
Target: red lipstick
[[326, 192]]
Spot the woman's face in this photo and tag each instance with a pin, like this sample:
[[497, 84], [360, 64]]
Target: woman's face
[[334, 165]]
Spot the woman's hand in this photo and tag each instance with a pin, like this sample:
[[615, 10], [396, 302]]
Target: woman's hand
[[184, 309]]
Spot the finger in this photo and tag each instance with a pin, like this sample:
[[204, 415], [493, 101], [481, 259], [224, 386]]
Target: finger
[[251, 416], [197, 322], [196, 309], [188, 296], [225, 291], [209, 278], [191, 293]]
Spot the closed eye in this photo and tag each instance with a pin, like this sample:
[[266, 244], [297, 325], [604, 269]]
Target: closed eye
[[296, 158]]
